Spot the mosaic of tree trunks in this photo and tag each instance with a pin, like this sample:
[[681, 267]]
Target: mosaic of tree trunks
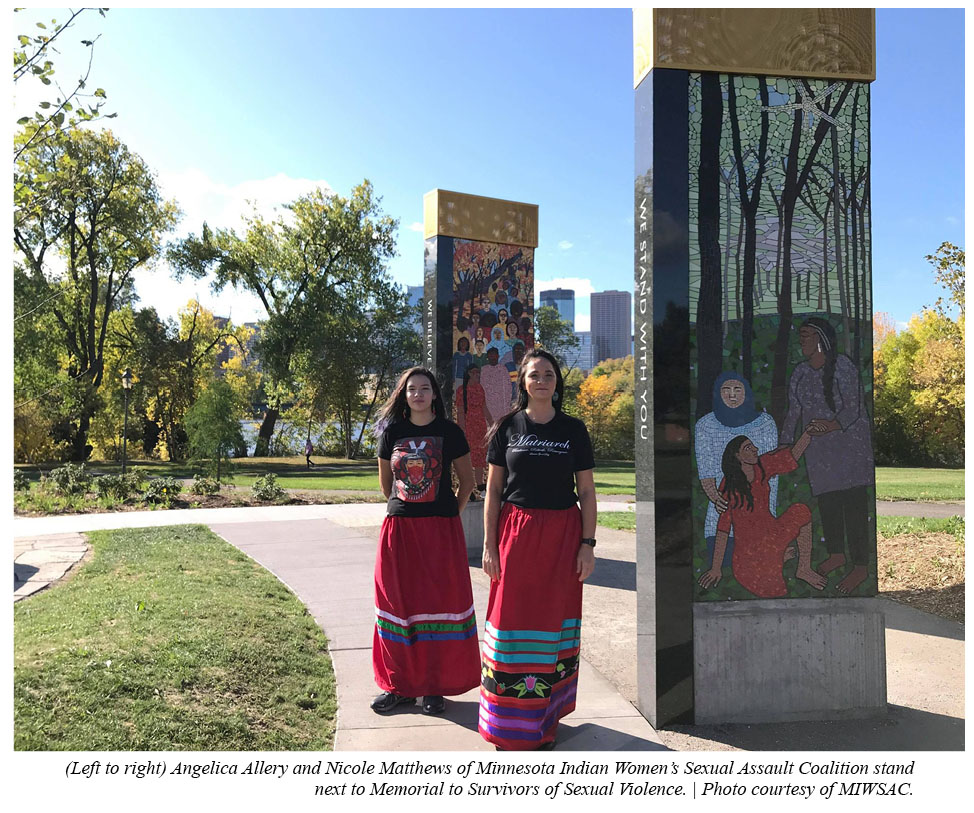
[[780, 339]]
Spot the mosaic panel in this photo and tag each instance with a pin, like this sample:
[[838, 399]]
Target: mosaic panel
[[781, 339], [493, 326]]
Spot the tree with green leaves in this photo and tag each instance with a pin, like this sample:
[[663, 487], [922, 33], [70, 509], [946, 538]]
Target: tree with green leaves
[[346, 374], [96, 218], [554, 334], [173, 362], [32, 59], [327, 250], [948, 269], [213, 426]]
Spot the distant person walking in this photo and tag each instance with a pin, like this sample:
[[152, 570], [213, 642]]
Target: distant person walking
[[538, 549], [425, 639], [308, 451]]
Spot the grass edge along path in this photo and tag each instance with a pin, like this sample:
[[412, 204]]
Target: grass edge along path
[[170, 639]]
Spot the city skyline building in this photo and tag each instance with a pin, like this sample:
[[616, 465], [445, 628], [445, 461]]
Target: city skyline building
[[562, 300], [611, 328], [581, 357]]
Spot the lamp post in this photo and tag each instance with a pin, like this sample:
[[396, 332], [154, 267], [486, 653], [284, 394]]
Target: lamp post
[[126, 386]]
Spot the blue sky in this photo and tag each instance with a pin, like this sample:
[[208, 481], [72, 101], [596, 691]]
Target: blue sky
[[531, 105]]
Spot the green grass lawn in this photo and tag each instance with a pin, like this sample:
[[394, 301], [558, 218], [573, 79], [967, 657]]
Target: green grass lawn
[[919, 484], [619, 477], [611, 476], [170, 639], [615, 477], [887, 526]]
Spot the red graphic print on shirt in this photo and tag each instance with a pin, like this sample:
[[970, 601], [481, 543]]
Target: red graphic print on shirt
[[417, 464]]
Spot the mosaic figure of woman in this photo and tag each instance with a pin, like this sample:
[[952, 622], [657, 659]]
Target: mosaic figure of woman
[[733, 414], [826, 394]]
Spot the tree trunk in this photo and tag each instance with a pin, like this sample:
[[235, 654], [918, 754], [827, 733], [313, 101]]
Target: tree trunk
[[779, 391], [794, 182], [749, 209], [709, 334], [80, 448], [266, 432], [854, 234]]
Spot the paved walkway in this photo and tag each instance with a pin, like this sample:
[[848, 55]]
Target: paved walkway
[[325, 554], [41, 561]]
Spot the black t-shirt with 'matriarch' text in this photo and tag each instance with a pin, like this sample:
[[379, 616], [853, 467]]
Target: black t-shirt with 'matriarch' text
[[420, 457], [541, 459]]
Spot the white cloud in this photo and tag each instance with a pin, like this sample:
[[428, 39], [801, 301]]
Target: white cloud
[[416, 227], [222, 206], [952, 220], [581, 287], [564, 245], [583, 322]]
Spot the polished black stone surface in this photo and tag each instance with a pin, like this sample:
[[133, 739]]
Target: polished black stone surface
[[438, 312], [663, 421]]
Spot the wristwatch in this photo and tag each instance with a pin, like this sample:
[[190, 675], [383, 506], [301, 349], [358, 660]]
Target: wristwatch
[[590, 541]]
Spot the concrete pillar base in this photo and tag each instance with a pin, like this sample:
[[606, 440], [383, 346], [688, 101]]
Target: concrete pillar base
[[472, 518], [782, 660]]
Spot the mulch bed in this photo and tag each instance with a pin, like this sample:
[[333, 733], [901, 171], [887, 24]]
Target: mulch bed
[[924, 571]]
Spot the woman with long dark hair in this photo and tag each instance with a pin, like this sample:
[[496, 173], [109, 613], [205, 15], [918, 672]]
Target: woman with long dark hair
[[538, 549], [762, 541], [733, 413], [825, 394], [425, 639]]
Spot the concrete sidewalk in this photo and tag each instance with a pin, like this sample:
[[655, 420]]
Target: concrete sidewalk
[[325, 554], [329, 567]]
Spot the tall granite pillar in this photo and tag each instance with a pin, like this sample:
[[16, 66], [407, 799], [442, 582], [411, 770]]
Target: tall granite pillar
[[756, 533], [478, 298]]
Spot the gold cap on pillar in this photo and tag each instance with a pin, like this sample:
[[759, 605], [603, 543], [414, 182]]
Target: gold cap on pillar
[[472, 217], [827, 43]]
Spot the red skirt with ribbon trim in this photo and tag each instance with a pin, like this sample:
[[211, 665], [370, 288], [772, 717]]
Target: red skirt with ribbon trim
[[531, 638], [425, 639]]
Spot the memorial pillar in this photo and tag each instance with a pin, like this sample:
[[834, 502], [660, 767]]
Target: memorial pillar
[[479, 294], [754, 366]]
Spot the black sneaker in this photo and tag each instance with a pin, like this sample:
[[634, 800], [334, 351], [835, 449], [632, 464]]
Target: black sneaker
[[433, 704], [387, 701]]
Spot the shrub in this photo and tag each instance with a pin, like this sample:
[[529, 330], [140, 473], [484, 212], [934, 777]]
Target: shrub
[[162, 490], [266, 488], [71, 478], [204, 485], [137, 478], [116, 486], [21, 481]]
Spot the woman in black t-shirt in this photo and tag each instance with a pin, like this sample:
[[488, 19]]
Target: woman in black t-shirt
[[425, 640], [538, 549]]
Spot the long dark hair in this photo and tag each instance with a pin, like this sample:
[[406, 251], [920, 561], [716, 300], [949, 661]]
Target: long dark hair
[[396, 409], [521, 400], [826, 338], [736, 487]]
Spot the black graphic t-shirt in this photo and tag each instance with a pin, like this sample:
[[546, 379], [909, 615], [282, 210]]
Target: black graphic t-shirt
[[420, 457], [541, 459]]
